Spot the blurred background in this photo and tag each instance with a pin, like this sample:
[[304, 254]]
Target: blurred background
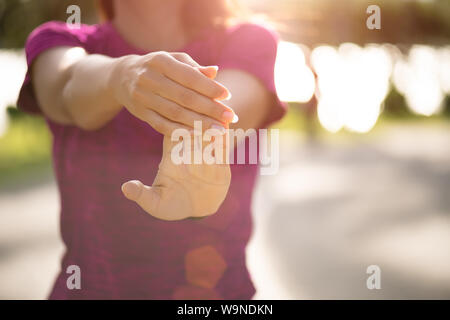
[[364, 173]]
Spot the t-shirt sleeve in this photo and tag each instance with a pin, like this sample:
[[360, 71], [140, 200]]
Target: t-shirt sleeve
[[49, 35], [253, 48]]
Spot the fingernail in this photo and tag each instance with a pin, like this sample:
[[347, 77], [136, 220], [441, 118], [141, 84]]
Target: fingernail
[[214, 67], [228, 96], [235, 118], [228, 116], [221, 129]]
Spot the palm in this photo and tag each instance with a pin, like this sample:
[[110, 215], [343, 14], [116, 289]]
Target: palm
[[185, 190]]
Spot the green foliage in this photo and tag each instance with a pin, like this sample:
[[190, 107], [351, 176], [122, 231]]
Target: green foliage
[[315, 22], [25, 147], [395, 104], [306, 21], [18, 18]]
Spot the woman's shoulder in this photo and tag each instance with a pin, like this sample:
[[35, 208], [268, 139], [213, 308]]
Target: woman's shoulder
[[66, 33], [250, 42], [252, 33], [64, 27]]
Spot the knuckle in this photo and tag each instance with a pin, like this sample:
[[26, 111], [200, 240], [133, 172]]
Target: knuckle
[[159, 58], [187, 97], [185, 56], [152, 62], [182, 55]]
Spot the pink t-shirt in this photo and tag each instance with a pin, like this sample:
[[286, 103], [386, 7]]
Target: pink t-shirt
[[124, 253]]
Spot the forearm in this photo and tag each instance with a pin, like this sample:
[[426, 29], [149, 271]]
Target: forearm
[[88, 96], [73, 87], [250, 99], [166, 90]]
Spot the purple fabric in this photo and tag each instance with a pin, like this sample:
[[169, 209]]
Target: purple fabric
[[123, 252]]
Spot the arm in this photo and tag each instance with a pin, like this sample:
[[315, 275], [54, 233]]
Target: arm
[[72, 87], [250, 99], [166, 90], [85, 90]]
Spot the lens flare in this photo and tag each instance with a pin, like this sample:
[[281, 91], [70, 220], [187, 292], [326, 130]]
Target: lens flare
[[444, 68], [422, 78], [13, 67], [293, 79], [352, 82]]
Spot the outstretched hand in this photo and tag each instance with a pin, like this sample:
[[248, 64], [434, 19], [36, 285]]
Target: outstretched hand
[[187, 190], [184, 190]]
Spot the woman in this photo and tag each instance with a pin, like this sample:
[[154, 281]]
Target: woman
[[112, 94]]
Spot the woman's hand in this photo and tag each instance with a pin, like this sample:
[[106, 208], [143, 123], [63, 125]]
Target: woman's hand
[[184, 190], [170, 91]]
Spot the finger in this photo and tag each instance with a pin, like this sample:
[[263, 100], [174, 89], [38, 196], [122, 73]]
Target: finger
[[185, 97], [146, 197], [209, 71], [185, 58], [191, 78], [174, 112], [158, 122]]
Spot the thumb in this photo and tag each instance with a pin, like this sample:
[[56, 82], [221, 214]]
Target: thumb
[[143, 195]]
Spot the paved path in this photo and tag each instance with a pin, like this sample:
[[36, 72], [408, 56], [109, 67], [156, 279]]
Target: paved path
[[30, 248], [333, 209]]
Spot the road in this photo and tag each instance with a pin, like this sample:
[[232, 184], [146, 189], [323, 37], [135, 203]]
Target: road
[[336, 207]]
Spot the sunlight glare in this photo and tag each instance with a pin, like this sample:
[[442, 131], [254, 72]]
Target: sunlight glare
[[294, 81], [13, 68], [420, 78], [353, 82]]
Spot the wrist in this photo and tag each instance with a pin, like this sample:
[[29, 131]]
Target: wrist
[[118, 78]]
